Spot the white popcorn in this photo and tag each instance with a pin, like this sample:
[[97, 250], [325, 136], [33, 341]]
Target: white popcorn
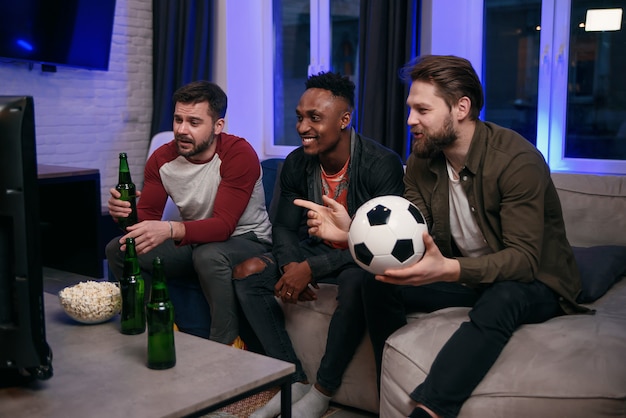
[[91, 301]]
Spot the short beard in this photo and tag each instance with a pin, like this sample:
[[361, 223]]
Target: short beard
[[199, 148], [435, 143]]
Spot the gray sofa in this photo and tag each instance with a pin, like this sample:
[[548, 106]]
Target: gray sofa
[[570, 366]]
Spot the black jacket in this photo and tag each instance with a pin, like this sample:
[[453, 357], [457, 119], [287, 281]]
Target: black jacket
[[373, 171]]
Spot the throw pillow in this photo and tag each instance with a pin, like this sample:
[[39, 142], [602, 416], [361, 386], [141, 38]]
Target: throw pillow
[[599, 267]]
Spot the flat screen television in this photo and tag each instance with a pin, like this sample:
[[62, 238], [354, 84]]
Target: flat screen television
[[73, 33], [24, 351]]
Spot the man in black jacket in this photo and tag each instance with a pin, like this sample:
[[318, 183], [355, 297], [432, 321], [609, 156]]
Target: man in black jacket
[[337, 162]]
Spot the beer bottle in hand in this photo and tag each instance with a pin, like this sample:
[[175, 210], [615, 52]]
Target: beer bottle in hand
[[127, 190], [160, 315], [132, 288]]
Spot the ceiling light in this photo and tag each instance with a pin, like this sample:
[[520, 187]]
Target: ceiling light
[[603, 20]]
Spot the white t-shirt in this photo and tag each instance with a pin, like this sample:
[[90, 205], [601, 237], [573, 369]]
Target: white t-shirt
[[465, 231]]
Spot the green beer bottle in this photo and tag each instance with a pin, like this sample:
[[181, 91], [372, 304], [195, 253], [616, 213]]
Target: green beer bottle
[[132, 288], [127, 190], [160, 314]]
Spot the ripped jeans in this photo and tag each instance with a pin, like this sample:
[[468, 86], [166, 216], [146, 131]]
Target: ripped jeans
[[347, 326]]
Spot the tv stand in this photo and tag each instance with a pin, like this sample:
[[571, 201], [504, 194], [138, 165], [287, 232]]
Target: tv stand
[[70, 212]]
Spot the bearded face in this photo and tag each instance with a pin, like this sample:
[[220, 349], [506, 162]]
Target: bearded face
[[431, 120], [195, 130], [189, 147], [428, 141]]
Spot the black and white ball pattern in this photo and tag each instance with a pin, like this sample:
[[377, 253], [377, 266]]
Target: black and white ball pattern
[[386, 233]]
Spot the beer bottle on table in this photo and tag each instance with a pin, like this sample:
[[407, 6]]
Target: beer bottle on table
[[127, 190], [132, 288], [160, 315]]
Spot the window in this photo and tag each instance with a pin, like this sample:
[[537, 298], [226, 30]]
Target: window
[[511, 73], [596, 88], [310, 36], [553, 76]]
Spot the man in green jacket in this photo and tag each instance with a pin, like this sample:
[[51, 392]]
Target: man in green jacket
[[497, 238]]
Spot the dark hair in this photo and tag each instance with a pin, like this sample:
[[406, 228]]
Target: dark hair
[[203, 91], [338, 85], [453, 78]]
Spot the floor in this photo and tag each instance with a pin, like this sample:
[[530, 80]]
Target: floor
[[56, 280]]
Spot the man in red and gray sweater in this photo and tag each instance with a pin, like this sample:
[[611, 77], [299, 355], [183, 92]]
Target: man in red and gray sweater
[[214, 179]]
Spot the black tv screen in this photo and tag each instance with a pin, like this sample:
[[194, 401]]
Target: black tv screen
[[73, 33]]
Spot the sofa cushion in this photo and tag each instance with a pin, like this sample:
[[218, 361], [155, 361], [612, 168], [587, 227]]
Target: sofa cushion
[[271, 184], [600, 267], [569, 366], [593, 208]]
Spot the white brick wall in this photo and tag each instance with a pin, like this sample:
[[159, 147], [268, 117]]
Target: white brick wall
[[86, 118]]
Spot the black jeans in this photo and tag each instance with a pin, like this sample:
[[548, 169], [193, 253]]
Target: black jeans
[[498, 310], [347, 325]]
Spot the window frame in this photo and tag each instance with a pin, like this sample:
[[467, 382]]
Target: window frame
[[552, 100], [319, 60]]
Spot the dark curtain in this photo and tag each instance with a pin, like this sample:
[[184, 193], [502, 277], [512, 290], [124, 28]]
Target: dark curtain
[[182, 52], [387, 41]]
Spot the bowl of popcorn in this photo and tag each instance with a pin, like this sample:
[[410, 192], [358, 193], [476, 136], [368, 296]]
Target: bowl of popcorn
[[91, 302]]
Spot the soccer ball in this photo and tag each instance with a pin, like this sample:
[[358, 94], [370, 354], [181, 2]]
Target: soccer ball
[[386, 232]]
